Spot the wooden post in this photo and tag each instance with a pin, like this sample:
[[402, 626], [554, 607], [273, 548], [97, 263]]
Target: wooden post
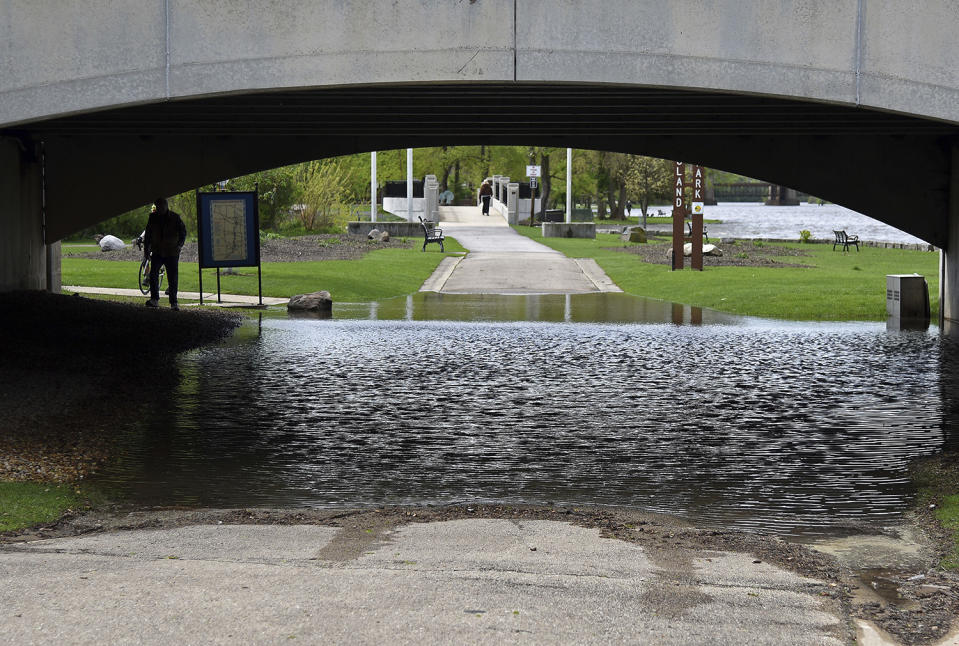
[[679, 215], [697, 217]]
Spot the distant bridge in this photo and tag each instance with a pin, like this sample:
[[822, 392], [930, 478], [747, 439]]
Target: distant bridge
[[753, 192], [104, 105]]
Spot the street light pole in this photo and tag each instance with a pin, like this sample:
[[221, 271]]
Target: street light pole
[[409, 184], [373, 204], [569, 185]]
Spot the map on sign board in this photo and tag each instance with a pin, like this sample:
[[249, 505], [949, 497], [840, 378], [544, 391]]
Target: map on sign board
[[228, 229]]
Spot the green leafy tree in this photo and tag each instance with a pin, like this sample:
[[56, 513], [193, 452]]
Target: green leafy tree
[[327, 195], [648, 180]]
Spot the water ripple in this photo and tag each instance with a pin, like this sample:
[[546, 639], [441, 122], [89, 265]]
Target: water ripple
[[788, 428]]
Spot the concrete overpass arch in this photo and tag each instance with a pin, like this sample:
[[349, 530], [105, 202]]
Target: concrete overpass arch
[[854, 102]]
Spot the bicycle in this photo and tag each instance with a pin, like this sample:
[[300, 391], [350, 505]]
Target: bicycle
[[143, 275]]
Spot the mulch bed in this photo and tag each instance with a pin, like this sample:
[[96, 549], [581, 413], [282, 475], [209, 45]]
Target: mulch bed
[[303, 248], [736, 253]]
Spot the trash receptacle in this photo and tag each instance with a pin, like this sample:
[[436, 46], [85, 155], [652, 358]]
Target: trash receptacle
[[907, 296]]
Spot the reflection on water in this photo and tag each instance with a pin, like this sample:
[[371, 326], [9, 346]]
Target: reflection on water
[[566, 308], [794, 428]]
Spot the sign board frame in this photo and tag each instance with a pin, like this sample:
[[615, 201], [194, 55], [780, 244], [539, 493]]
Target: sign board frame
[[224, 213]]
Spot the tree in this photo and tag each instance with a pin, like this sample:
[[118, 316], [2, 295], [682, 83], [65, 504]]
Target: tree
[[327, 195], [648, 179]]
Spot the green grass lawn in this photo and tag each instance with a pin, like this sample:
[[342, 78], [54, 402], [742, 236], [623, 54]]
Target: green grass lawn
[[835, 286], [380, 274], [25, 504], [936, 480]]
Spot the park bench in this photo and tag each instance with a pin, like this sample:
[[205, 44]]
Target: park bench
[[689, 231], [431, 234], [844, 239]]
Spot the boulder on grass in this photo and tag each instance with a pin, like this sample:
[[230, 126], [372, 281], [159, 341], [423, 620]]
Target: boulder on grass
[[383, 237], [708, 250], [634, 234], [374, 234], [315, 302]]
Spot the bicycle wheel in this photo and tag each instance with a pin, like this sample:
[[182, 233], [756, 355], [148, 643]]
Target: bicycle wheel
[[143, 278]]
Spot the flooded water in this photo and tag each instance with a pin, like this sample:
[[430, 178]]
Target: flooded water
[[745, 220], [594, 399]]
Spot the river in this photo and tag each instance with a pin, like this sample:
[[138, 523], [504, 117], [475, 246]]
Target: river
[[794, 428], [745, 220]]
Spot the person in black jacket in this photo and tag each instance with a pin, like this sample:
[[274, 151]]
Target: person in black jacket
[[486, 194], [164, 237]]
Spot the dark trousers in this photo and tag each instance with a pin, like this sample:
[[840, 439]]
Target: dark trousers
[[485, 199], [170, 262]]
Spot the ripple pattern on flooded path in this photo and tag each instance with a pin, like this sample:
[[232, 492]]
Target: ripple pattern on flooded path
[[762, 426]]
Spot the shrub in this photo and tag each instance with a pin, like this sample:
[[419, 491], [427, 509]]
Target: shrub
[[804, 236]]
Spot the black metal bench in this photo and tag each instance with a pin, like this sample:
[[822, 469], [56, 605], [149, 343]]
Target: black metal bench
[[689, 231], [431, 234], [844, 239]]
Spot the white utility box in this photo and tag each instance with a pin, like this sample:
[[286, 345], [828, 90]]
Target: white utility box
[[907, 296]]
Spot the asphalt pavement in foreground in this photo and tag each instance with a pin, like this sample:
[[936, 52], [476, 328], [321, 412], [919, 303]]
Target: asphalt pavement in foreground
[[474, 581]]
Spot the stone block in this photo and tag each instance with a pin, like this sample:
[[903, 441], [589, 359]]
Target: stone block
[[569, 230]]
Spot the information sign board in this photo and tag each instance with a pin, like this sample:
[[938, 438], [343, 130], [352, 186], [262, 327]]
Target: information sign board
[[533, 171], [228, 229]]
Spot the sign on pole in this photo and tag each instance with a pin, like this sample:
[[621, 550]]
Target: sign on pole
[[228, 233], [533, 171], [679, 214], [697, 218]]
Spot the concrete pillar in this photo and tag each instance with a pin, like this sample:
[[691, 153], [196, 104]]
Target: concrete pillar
[[54, 275], [512, 203], [23, 258], [431, 190], [782, 196], [949, 273]]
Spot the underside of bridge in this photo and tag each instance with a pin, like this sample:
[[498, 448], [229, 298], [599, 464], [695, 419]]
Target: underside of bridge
[[895, 168]]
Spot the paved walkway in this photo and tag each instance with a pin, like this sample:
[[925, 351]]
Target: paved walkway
[[501, 261], [457, 582], [209, 298]]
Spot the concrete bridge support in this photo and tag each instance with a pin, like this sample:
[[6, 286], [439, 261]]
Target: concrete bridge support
[[23, 255], [949, 273]]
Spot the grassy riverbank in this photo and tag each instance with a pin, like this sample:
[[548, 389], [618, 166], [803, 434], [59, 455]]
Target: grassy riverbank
[[379, 274], [937, 501], [27, 504], [74, 372], [829, 286]]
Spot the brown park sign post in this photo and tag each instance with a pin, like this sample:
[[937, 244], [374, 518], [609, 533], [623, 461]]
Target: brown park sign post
[[679, 215], [699, 188]]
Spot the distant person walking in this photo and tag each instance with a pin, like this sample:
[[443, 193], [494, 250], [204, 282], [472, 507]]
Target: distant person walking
[[486, 194], [164, 238], [629, 208]]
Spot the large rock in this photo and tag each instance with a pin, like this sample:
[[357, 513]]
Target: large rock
[[374, 234], [634, 234], [383, 237], [315, 302], [708, 250]]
